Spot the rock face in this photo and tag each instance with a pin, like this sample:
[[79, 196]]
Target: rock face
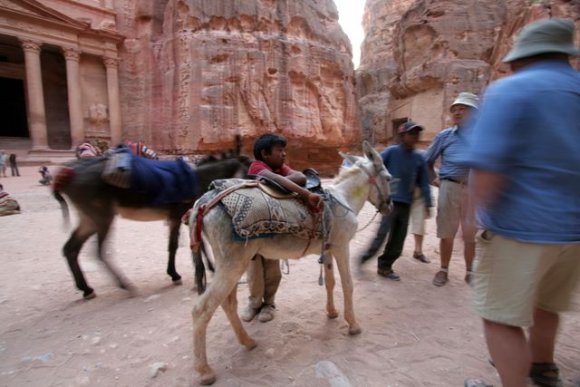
[[196, 73], [418, 55]]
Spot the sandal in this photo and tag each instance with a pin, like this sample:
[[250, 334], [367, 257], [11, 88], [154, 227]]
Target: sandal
[[421, 257], [546, 375], [440, 278]]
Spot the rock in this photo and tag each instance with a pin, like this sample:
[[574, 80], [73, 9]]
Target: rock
[[155, 368], [329, 371]]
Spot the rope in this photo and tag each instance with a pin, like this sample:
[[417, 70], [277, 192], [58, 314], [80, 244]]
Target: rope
[[369, 223]]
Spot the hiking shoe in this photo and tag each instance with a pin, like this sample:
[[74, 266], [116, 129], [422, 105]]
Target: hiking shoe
[[249, 313], [421, 257], [389, 273], [440, 278], [266, 313]]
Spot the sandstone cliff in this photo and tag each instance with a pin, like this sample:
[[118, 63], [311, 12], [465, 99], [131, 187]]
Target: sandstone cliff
[[418, 55], [195, 73]]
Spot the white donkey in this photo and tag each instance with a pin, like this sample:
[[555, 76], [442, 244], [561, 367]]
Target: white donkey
[[367, 179]]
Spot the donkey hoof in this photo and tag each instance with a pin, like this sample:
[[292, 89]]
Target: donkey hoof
[[207, 378], [177, 282], [250, 344], [332, 315], [89, 294], [354, 330]]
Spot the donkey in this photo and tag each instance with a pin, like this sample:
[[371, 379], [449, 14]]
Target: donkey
[[367, 179], [98, 202]]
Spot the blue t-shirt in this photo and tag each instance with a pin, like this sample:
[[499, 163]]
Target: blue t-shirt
[[528, 130], [410, 169], [450, 144]]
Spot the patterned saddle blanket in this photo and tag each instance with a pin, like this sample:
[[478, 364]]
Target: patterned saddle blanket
[[258, 211]]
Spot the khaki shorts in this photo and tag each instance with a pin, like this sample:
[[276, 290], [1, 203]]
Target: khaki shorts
[[417, 217], [453, 210], [513, 278]]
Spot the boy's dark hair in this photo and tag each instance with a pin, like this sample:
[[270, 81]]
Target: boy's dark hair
[[266, 142]]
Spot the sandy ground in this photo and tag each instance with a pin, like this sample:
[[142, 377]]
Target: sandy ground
[[414, 334]]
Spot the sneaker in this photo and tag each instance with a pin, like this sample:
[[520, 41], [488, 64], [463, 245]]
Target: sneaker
[[421, 257], [249, 313], [266, 313], [389, 273], [440, 278]]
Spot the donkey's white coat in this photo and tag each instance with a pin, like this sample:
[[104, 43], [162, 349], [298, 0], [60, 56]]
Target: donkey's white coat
[[367, 179]]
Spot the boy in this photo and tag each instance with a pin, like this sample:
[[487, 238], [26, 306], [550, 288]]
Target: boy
[[263, 274]]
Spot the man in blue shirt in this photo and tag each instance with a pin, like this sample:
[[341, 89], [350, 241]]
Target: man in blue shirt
[[452, 205], [525, 184], [407, 166]]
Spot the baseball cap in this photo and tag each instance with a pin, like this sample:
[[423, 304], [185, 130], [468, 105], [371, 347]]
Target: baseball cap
[[408, 126]]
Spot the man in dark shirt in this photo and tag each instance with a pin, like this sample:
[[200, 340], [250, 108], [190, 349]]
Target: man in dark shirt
[[409, 168]]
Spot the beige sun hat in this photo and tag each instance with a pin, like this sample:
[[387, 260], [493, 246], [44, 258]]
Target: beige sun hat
[[543, 37], [468, 99]]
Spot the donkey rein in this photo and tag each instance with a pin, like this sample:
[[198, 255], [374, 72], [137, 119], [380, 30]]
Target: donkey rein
[[369, 222]]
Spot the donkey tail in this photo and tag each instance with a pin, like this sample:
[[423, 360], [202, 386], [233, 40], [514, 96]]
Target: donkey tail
[[63, 177], [199, 267], [63, 207]]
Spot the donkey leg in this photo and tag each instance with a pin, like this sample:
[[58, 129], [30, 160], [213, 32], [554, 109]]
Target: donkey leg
[[329, 281], [230, 306], [103, 228], [222, 285], [173, 243], [341, 256], [71, 250]]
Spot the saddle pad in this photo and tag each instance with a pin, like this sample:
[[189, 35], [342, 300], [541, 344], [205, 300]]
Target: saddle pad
[[164, 181], [256, 214]]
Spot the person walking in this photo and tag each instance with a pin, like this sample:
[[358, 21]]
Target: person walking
[[407, 165], [13, 165], [452, 205], [525, 182], [3, 161]]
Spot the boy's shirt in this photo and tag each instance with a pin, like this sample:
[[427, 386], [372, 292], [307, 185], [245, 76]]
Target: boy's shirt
[[258, 166]]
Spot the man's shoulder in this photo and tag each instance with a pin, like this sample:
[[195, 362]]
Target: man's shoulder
[[419, 154], [390, 149], [446, 132]]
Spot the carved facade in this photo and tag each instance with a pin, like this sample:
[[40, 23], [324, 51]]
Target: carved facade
[[54, 67]]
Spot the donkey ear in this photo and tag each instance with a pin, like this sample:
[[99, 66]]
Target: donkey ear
[[351, 159], [372, 154]]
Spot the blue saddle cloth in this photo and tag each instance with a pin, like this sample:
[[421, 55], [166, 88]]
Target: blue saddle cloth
[[164, 181]]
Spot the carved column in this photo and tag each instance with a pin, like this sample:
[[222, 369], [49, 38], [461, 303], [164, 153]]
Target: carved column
[[77, 130], [114, 102], [35, 95]]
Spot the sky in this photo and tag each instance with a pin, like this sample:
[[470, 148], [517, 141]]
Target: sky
[[350, 13]]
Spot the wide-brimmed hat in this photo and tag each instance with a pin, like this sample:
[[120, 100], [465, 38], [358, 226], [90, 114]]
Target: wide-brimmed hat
[[468, 99], [543, 37], [409, 126]]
